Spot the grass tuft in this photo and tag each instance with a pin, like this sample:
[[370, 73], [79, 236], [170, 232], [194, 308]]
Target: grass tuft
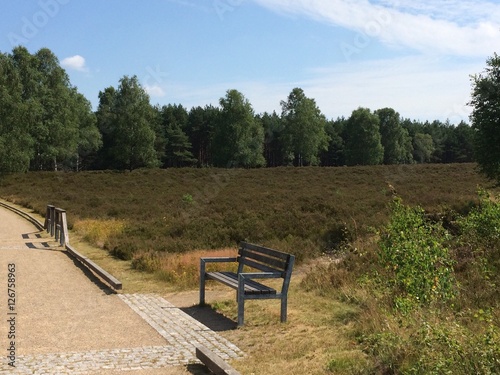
[[99, 231], [181, 270]]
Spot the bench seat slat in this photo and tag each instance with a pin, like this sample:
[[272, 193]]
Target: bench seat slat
[[231, 279]]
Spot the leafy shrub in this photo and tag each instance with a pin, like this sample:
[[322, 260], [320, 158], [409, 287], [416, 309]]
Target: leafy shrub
[[418, 264], [455, 349], [479, 253], [187, 199], [482, 224], [435, 348]]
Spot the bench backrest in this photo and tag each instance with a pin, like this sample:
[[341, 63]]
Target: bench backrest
[[265, 259]]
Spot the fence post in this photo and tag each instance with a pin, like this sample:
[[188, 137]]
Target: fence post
[[51, 216], [64, 229], [46, 223], [57, 223]]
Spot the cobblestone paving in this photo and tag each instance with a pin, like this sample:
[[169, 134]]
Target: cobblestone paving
[[95, 360], [177, 327], [181, 332]]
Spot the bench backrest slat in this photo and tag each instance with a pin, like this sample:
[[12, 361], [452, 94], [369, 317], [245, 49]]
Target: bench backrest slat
[[276, 263], [250, 263], [264, 259], [265, 250]]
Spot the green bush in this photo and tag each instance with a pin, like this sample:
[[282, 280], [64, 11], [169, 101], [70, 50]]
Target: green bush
[[418, 264], [482, 225], [480, 248], [454, 349]]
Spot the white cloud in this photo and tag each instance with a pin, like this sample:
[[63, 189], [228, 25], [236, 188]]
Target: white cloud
[[444, 43], [76, 62], [459, 28], [155, 91], [418, 87]]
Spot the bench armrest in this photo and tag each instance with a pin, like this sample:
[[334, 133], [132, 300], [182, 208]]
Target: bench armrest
[[204, 261]]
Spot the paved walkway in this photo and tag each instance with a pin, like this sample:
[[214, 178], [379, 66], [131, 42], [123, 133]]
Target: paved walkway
[[61, 321]]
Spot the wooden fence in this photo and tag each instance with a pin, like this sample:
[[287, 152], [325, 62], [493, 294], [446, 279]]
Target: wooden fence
[[56, 224]]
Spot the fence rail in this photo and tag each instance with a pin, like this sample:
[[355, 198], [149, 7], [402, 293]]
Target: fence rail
[[56, 224]]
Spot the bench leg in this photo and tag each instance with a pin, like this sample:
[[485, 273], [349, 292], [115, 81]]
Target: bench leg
[[241, 300], [241, 311], [283, 308], [202, 283]]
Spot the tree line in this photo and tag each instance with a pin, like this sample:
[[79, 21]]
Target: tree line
[[46, 124]]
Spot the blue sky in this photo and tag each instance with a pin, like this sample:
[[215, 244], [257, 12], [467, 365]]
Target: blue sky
[[413, 56]]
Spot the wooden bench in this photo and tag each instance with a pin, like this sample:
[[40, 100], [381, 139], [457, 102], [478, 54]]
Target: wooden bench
[[271, 264]]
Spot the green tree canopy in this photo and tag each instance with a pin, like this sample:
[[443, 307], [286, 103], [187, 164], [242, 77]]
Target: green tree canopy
[[44, 122], [485, 118], [200, 130], [273, 148], [89, 138], [16, 143], [238, 139], [303, 135], [423, 147], [463, 148], [363, 141], [334, 156], [178, 147], [128, 122], [394, 138]]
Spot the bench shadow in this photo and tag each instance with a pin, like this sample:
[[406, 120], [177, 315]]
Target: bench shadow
[[106, 289], [210, 318]]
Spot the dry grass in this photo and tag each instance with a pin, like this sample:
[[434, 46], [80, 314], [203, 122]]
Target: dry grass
[[181, 270], [98, 231], [318, 331]]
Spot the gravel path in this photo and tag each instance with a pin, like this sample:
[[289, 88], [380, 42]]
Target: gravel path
[[65, 323]]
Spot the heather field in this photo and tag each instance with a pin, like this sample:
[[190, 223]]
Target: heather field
[[302, 210], [398, 268]]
